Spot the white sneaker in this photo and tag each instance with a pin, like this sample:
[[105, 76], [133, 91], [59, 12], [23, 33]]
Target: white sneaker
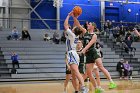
[[101, 90], [130, 78], [120, 78], [84, 90]]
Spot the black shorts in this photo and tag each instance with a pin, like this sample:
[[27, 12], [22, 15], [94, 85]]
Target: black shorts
[[91, 56], [67, 71], [82, 68]]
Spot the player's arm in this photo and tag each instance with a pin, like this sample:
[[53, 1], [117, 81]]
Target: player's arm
[[66, 24], [136, 31], [77, 23], [92, 41]]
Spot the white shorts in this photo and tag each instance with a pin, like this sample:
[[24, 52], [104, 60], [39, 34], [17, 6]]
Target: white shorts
[[73, 57]]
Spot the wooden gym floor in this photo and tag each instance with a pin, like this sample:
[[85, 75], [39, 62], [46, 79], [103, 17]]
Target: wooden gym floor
[[124, 86]]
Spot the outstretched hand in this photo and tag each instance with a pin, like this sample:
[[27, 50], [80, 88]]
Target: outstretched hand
[[83, 51], [71, 14]]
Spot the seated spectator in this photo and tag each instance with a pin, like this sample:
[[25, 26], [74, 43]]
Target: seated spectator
[[56, 37], [122, 30], [128, 44], [15, 34], [120, 68], [98, 49], [25, 34], [127, 70], [63, 38], [119, 40], [13, 71], [14, 58], [128, 34], [46, 37], [115, 32]]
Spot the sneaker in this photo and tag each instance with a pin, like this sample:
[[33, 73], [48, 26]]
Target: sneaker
[[130, 78], [76, 92], [112, 85], [99, 90], [126, 78], [84, 90], [120, 78]]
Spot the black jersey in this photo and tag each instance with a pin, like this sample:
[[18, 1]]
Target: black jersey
[[81, 56], [86, 39]]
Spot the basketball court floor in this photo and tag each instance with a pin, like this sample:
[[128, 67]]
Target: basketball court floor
[[124, 86]]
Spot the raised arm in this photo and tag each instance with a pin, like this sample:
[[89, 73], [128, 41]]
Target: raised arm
[[66, 24], [77, 23], [136, 31]]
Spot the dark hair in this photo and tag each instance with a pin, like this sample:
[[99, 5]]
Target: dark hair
[[97, 43], [77, 31]]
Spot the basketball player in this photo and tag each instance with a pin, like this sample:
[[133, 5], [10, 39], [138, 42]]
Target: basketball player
[[68, 77], [81, 63], [92, 57], [82, 67], [73, 58]]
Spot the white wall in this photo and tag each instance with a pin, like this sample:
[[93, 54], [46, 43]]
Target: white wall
[[1, 3], [19, 9]]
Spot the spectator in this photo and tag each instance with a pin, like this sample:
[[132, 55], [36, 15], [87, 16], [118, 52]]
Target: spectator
[[128, 34], [128, 44], [127, 70], [63, 38], [15, 34], [122, 30], [119, 40], [14, 58], [110, 25], [56, 37], [120, 67], [105, 26], [46, 37], [25, 34]]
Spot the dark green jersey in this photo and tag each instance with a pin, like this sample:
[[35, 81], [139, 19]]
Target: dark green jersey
[[91, 54], [81, 63], [86, 39]]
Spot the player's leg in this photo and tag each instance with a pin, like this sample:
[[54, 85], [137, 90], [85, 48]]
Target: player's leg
[[106, 73], [75, 71], [75, 83], [68, 76], [96, 72]]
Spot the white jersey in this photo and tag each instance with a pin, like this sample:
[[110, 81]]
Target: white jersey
[[71, 40]]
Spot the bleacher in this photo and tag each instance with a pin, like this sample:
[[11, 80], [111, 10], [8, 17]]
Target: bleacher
[[43, 60], [132, 57]]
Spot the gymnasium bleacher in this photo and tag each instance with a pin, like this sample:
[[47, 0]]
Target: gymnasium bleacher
[[45, 60]]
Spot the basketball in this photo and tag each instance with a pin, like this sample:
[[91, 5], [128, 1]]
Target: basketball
[[77, 11]]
